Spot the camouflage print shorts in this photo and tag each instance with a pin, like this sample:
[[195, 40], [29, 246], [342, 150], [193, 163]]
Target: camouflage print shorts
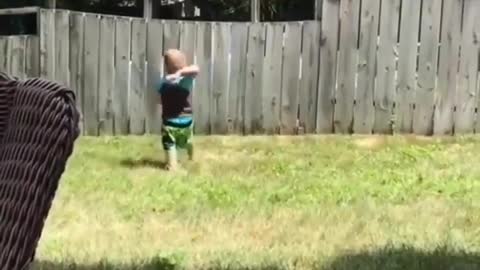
[[177, 137]]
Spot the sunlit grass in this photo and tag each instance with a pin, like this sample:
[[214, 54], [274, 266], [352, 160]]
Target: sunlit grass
[[269, 203]]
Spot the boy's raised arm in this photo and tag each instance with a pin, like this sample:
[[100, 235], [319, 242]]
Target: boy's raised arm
[[190, 71]]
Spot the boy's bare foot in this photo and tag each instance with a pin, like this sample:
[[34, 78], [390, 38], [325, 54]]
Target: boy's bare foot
[[171, 168]]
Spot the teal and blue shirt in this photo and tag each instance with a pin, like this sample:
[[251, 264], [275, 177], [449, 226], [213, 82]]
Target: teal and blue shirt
[[176, 101]]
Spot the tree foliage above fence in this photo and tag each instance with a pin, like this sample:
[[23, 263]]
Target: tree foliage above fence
[[132, 8], [222, 10]]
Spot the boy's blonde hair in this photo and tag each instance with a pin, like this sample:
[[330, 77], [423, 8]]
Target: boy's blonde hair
[[174, 60]]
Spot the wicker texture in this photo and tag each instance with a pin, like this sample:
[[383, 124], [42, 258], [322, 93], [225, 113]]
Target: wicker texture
[[38, 128]]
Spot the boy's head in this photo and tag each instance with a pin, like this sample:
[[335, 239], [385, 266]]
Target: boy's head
[[174, 61]]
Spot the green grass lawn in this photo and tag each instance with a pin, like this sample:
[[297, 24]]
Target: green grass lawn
[[343, 203]]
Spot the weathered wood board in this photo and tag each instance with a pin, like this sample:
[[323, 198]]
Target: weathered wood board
[[384, 95], [32, 58], [309, 79], [76, 63], [328, 66], [47, 44], [272, 78], [290, 78], [90, 74], [62, 55], [3, 53], [8, 55], [238, 69], [122, 78], [477, 119], [154, 73], [202, 93], [407, 64], [219, 107], [253, 117], [171, 35], [466, 100], [136, 100], [16, 63], [448, 67], [364, 110], [427, 67], [106, 71], [187, 40], [347, 66]]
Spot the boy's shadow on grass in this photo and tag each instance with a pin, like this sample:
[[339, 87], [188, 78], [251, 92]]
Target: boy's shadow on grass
[[406, 258], [144, 163]]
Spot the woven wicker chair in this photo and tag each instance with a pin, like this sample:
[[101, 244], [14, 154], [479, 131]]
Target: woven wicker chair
[[38, 128]]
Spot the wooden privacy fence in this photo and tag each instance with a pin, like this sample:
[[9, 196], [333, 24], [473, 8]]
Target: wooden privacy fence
[[19, 55], [405, 66]]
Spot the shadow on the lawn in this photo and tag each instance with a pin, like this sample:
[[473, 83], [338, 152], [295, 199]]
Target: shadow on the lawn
[[407, 258], [144, 163], [386, 259], [154, 264]]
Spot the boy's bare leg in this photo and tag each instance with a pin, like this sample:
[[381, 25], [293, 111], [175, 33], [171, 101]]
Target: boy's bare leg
[[190, 151], [172, 160], [190, 144]]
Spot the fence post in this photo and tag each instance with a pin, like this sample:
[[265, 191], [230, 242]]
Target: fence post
[[147, 9], [318, 10], [52, 4], [255, 10]]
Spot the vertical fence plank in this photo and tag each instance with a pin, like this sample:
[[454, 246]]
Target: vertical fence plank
[[384, 96], [203, 85], [309, 80], [155, 69], [187, 40], [272, 78], [427, 67], [238, 69], [17, 56], [253, 101], [61, 46], [136, 101], [77, 26], [347, 60], [466, 91], [8, 55], [171, 35], [290, 78], [477, 119], [364, 111], [122, 57], [448, 67], [106, 70], [328, 66], [32, 56], [3, 53], [407, 64], [219, 108], [92, 36], [47, 44]]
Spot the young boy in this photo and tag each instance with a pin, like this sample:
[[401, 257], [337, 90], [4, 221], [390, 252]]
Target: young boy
[[175, 97]]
